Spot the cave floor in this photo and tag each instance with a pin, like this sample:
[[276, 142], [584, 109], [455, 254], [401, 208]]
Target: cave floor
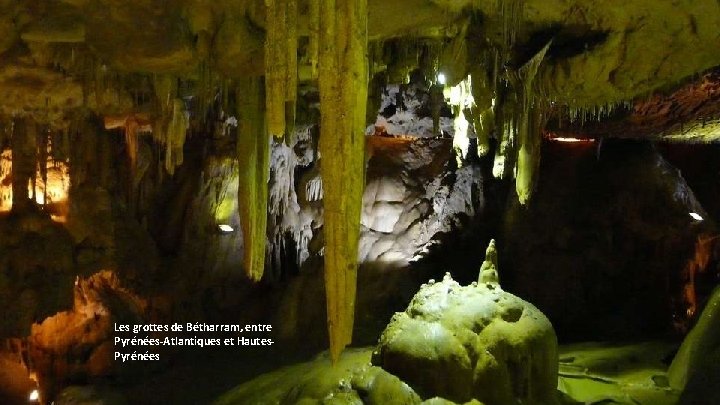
[[199, 376], [590, 373], [601, 373]]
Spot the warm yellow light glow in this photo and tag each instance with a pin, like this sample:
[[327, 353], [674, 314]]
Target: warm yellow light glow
[[226, 228], [441, 79], [34, 396], [56, 190], [568, 139], [5, 180]]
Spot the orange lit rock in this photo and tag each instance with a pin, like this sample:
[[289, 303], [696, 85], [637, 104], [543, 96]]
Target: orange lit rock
[[58, 342]]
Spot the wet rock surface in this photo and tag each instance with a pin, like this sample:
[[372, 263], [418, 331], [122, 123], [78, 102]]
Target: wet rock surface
[[77, 345], [89, 395], [695, 367], [464, 342]]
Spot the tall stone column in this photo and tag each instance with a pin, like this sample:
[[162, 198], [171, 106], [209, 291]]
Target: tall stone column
[[24, 151]]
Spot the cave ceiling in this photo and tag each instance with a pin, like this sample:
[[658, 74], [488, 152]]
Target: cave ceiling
[[60, 56]]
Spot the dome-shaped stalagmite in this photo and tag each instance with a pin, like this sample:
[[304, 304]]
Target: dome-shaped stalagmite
[[472, 342]]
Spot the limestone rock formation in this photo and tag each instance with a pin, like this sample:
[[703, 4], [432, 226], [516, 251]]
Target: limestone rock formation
[[161, 112], [414, 197], [695, 367], [352, 380], [78, 344], [36, 271], [472, 342], [89, 395], [474, 345]]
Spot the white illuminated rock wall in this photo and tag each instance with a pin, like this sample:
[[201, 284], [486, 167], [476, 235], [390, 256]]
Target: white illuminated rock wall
[[412, 195], [406, 111]]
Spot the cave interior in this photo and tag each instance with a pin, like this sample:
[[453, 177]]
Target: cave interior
[[478, 202]]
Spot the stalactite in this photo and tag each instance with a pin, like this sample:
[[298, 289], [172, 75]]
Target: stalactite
[[528, 159], [171, 126], [511, 13], [131, 142], [165, 87], [528, 156], [453, 60], [507, 100], [5, 175], [461, 100], [253, 147], [436, 102], [23, 162], [376, 89], [343, 79], [314, 37], [314, 189], [291, 75], [402, 58], [175, 136], [505, 154], [43, 153], [484, 123], [483, 117], [430, 60], [4, 132], [276, 65]]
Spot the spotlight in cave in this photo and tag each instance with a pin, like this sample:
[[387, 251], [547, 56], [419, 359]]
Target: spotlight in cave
[[441, 79], [571, 140], [696, 216]]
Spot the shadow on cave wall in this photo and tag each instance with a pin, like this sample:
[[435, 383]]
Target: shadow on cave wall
[[602, 246]]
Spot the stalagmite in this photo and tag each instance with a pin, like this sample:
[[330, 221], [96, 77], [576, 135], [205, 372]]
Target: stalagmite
[[253, 147], [489, 268], [343, 78]]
